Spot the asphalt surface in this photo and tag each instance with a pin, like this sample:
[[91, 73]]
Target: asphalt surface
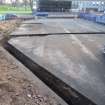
[[45, 26], [76, 59]]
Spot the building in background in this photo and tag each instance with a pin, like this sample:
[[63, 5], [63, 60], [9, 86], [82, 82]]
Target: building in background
[[89, 5], [52, 5], [9, 1]]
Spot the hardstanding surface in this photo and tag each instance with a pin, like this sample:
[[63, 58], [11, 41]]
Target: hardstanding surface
[[76, 59], [46, 26]]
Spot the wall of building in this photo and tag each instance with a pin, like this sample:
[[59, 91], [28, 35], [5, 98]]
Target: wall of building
[[9, 1], [52, 5], [85, 5]]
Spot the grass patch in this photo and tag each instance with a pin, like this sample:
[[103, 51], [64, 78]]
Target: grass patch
[[18, 10]]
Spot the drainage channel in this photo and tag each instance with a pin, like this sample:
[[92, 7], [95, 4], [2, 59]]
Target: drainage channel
[[32, 23], [67, 93], [46, 34]]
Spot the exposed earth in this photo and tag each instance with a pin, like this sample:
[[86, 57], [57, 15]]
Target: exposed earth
[[15, 87]]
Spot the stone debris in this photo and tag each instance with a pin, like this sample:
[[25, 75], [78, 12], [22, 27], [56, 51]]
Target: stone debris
[[16, 89]]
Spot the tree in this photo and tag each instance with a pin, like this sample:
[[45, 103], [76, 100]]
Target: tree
[[1, 2], [25, 3], [13, 2], [31, 4]]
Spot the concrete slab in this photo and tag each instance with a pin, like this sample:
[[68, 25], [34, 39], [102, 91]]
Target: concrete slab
[[45, 26], [62, 16], [69, 59], [81, 26]]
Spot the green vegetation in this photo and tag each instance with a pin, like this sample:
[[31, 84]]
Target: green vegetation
[[10, 9]]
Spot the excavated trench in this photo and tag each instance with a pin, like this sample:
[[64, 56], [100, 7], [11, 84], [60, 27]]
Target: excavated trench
[[46, 34]]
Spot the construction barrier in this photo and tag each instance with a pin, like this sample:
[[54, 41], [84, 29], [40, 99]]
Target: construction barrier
[[93, 17], [100, 19], [88, 16], [43, 14]]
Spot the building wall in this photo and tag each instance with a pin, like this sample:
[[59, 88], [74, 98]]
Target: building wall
[[52, 5], [83, 5], [9, 1]]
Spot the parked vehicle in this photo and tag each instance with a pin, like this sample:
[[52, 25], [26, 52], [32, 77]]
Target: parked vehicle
[[10, 16], [2, 17]]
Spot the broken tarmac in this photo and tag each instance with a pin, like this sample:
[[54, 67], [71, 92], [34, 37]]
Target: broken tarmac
[[75, 68]]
